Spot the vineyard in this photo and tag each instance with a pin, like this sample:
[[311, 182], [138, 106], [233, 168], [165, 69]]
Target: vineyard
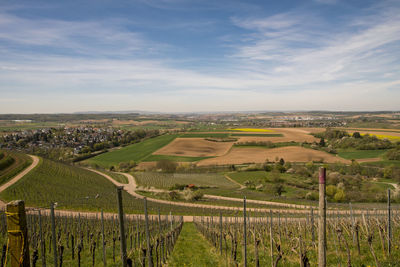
[[11, 163], [75, 188], [168, 180], [83, 240], [275, 240]]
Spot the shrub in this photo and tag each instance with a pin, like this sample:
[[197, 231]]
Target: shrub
[[166, 165]]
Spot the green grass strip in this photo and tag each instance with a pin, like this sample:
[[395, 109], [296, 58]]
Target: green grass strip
[[174, 158], [192, 249], [205, 135], [362, 154]]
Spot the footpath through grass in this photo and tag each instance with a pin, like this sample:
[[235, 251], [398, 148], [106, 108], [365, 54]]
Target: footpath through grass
[[192, 249]]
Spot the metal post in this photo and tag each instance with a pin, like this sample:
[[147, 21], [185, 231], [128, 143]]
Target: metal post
[[121, 226], [322, 219], [146, 217], [244, 232], [103, 238], [53, 232]]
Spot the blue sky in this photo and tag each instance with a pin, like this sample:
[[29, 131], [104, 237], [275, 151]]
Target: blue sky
[[187, 56]]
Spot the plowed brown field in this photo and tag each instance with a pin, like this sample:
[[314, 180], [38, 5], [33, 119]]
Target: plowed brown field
[[194, 147], [289, 134], [259, 155]]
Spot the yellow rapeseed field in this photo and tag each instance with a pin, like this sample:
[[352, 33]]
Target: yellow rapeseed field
[[383, 136], [251, 130]]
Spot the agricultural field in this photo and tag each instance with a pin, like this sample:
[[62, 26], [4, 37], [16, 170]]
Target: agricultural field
[[361, 154], [194, 147], [241, 155], [168, 180], [19, 162], [136, 152], [154, 158]]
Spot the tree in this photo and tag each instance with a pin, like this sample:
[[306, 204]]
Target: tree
[[322, 142], [278, 189], [357, 135]]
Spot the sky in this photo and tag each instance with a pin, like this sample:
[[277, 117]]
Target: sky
[[199, 55]]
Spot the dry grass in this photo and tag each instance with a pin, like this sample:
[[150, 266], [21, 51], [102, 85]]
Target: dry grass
[[194, 147], [260, 155]]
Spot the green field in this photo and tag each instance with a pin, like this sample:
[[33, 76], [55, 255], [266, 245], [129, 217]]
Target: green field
[[383, 163], [361, 154], [174, 158], [137, 152], [192, 249], [204, 135]]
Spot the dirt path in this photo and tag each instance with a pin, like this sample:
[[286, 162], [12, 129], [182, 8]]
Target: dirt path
[[16, 178], [233, 181]]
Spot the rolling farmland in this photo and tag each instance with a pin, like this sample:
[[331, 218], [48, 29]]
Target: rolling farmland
[[136, 152]]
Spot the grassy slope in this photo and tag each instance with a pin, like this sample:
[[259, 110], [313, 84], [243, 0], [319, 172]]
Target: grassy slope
[[21, 162], [137, 152], [361, 154], [192, 249], [69, 186]]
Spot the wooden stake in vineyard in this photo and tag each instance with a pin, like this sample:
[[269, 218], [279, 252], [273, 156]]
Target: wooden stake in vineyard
[[53, 233], [244, 233], [389, 230], [17, 234], [322, 219], [121, 226], [146, 217]]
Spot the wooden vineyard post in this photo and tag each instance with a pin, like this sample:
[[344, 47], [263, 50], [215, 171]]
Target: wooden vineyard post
[[220, 232], [103, 238], [146, 217], [244, 233], [322, 219], [389, 230], [53, 233], [17, 234], [121, 226], [312, 227], [271, 239], [42, 243]]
